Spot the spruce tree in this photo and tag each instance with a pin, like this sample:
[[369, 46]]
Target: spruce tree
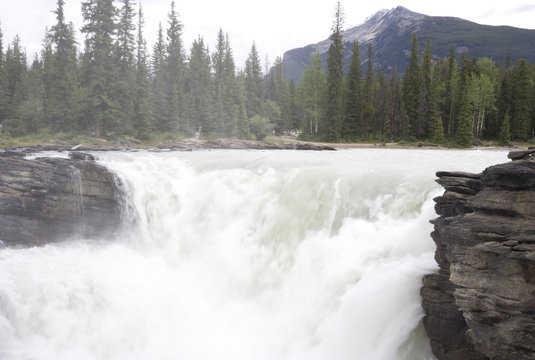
[[15, 70], [505, 131], [125, 79], [521, 101], [62, 73], [254, 83], [412, 86], [352, 128], [199, 88], [243, 123], [160, 106], [218, 65], [465, 121], [142, 111], [98, 68], [369, 110], [332, 125], [230, 98], [3, 81], [428, 102], [449, 106], [174, 74]]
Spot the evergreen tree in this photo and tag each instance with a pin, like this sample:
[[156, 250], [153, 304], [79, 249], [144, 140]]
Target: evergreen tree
[[142, 112], [61, 73], [353, 126], [254, 83], [448, 112], [369, 109], [174, 74], [98, 68], [465, 121], [218, 65], [428, 102], [15, 70], [199, 88], [30, 111], [160, 106], [399, 129], [505, 131], [3, 81], [522, 97], [332, 125], [412, 86], [243, 123], [231, 104], [125, 79]]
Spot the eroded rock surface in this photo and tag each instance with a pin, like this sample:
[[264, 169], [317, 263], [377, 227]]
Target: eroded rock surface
[[481, 303], [51, 199]]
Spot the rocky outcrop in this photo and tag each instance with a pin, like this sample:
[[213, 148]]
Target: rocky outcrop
[[481, 303], [50, 199]]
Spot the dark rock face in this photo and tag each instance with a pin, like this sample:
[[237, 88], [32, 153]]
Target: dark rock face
[[481, 304], [51, 199]]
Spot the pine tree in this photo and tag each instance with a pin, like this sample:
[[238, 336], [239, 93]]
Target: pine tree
[[98, 68], [160, 106], [125, 79], [369, 110], [243, 123], [142, 112], [448, 112], [15, 70], [199, 88], [353, 104], [521, 101], [218, 65], [61, 73], [254, 83], [428, 102], [465, 121], [412, 86], [230, 98], [505, 131], [3, 81], [174, 74], [332, 125]]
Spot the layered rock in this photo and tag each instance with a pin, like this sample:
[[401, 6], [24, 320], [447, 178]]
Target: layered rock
[[50, 199], [481, 303]]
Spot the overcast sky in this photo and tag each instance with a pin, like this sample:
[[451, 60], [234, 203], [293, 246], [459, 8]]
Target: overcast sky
[[275, 26]]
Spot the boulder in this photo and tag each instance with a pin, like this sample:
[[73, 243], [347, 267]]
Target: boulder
[[51, 199], [481, 304]]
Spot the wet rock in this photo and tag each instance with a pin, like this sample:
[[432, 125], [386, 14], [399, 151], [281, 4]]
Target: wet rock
[[481, 304], [51, 199]]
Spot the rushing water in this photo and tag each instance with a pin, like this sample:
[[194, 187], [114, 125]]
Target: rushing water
[[240, 255]]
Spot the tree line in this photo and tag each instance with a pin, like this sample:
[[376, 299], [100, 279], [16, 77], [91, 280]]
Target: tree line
[[116, 86]]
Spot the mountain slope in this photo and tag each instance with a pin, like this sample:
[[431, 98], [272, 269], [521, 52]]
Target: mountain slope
[[390, 32]]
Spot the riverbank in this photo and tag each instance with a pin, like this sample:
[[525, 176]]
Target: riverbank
[[271, 143]]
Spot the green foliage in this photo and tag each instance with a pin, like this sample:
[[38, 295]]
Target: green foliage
[[505, 131], [353, 125], [412, 87], [261, 127], [332, 125]]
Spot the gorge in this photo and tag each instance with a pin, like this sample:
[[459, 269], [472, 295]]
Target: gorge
[[268, 254]]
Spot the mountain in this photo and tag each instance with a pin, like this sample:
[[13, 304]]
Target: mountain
[[390, 32]]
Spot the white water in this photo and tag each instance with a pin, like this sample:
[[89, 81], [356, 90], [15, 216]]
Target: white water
[[240, 255]]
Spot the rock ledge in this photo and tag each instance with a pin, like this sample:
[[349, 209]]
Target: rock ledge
[[481, 303], [50, 199]]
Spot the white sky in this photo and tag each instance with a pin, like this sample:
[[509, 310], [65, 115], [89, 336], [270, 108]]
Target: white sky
[[274, 25]]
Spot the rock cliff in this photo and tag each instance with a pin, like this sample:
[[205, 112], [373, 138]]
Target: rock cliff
[[481, 303], [50, 199]]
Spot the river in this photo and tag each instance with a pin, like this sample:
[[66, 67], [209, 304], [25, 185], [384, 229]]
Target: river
[[240, 255]]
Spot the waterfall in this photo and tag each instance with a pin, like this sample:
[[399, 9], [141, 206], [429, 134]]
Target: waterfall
[[240, 255]]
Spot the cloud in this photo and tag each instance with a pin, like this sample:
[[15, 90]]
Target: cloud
[[521, 9]]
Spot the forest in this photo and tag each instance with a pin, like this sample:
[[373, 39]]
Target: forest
[[112, 85]]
